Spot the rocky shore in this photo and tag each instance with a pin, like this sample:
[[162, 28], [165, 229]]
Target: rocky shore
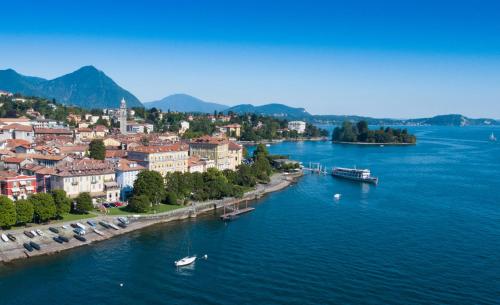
[[14, 250]]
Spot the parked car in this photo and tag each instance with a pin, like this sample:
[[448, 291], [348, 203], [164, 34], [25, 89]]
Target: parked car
[[81, 226], [28, 247], [39, 232], [11, 237], [106, 205], [35, 245], [80, 238], [123, 220], [74, 225], [29, 234], [92, 223], [79, 231], [119, 204], [58, 239], [54, 230], [63, 238], [112, 204]]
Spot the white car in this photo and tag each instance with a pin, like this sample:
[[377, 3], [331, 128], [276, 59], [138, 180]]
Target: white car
[[39, 232], [34, 233], [65, 227]]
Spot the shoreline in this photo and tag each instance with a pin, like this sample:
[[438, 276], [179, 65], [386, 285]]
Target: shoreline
[[277, 141], [373, 144], [14, 250]]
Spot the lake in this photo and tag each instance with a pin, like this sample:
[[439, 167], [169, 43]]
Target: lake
[[429, 233]]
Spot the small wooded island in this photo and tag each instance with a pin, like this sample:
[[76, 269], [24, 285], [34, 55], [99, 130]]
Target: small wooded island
[[359, 133]]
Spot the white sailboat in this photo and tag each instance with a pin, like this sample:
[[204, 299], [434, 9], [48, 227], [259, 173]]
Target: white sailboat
[[188, 260], [492, 137]]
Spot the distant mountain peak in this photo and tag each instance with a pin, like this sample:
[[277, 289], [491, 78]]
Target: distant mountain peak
[[185, 103]]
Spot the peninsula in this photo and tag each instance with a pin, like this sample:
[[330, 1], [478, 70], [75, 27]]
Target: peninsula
[[359, 133]]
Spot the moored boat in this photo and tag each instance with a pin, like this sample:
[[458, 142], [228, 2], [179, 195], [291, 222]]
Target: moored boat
[[492, 137], [112, 225], [188, 260], [98, 232], [5, 238], [362, 175]]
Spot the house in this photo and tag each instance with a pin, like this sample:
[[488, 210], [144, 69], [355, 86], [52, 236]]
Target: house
[[41, 133], [17, 131], [111, 142], [126, 174], [87, 175], [42, 175], [231, 130], [235, 155], [163, 159], [298, 126], [45, 123], [74, 118], [74, 150], [184, 127], [17, 186], [49, 161], [84, 134], [115, 154], [212, 148], [21, 121], [100, 131], [133, 127], [14, 163]]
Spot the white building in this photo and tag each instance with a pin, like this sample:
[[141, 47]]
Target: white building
[[184, 127], [298, 126]]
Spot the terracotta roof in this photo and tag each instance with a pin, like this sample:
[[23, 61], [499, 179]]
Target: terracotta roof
[[234, 146], [17, 127], [84, 167], [125, 165], [11, 174], [13, 160], [12, 120], [46, 157], [16, 142], [210, 140], [232, 126], [53, 131], [116, 153], [72, 149], [84, 129], [100, 128]]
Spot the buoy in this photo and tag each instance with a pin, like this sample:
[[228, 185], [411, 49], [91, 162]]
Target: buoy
[[336, 196], [205, 256], [121, 284]]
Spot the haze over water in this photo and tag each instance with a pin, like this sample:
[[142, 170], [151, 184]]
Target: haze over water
[[429, 233]]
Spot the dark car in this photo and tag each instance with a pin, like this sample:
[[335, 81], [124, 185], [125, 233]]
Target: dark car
[[80, 238], [63, 238], [74, 225], [105, 225], [58, 239], [35, 245], [29, 234], [11, 237], [54, 230], [28, 247], [122, 225], [113, 205], [106, 205]]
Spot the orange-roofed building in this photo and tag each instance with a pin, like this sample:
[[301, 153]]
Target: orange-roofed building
[[163, 159], [17, 186]]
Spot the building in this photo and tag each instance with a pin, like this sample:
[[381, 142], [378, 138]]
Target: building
[[235, 154], [184, 127], [17, 186], [84, 134], [126, 174], [199, 165], [231, 130], [49, 161], [211, 148], [122, 116], [163, 159], [87, 175], [17, 131], [21, 121], [133, 127], [298, 126]]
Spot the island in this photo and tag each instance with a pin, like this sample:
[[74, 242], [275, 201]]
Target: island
[[359, 133]]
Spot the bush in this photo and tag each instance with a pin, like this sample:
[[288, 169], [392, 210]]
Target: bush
[[139, 204], [171, 198], [84, 203], [62, 202], [24, 211], [7, 212], [44, 206], [151, 185]]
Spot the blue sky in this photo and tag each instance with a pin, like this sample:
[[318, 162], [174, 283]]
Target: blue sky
[[377, 58]]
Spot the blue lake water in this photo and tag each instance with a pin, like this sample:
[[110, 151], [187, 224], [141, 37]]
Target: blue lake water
[[429, 233]]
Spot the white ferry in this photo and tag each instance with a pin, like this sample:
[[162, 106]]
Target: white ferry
[[362, 175]]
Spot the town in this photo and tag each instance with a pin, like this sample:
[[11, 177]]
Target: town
[[97, 156]]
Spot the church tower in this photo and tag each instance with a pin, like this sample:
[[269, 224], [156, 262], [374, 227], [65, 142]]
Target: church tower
[[123, 117]]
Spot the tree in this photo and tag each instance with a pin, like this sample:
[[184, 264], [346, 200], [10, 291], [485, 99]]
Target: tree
[[63, 203], [139, 204], [84, 203], [44, 206], [171, 198], [7, 212], [150, 184], [24, 211], [97, 149]]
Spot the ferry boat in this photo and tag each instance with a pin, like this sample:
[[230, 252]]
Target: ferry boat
[[355, 174]]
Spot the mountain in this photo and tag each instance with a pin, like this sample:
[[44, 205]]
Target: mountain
[[185, 103], [86, 87], [439, 120], [276, 110]]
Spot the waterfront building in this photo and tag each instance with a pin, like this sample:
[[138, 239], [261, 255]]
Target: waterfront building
[[122, 116], [298, 126], [163, 159], [199, 165], [87, 175], [235, 154], [212, 148], [126, 174], [17, 186]]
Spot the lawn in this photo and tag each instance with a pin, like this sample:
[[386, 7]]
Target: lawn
[[75, 217], [159, 209]]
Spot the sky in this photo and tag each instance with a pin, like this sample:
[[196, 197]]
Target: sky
[[400, 59]]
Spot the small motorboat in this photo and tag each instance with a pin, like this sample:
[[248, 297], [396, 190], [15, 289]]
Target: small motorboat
[[104, 224], [122, 225], [112, 225], [5, 238], [98, 232], [337, 196], [188, 260]]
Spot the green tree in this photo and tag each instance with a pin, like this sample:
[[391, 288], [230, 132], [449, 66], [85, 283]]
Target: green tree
[[84, 203], [171, 198], [7, 212], [44, 206], [24, 211], [97, 150], [63, 203], [139, 204], [150, 184]]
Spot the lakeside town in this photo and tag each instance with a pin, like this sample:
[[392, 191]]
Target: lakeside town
[[111, 165]]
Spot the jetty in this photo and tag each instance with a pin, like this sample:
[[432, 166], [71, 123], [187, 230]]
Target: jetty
[[233, 210], [316, 168]]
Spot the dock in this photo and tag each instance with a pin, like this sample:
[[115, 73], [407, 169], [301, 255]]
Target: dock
[[316, 168], [234, 210]]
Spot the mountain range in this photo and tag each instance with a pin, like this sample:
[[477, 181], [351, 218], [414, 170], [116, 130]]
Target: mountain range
[[86, 87], [89, 88]]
